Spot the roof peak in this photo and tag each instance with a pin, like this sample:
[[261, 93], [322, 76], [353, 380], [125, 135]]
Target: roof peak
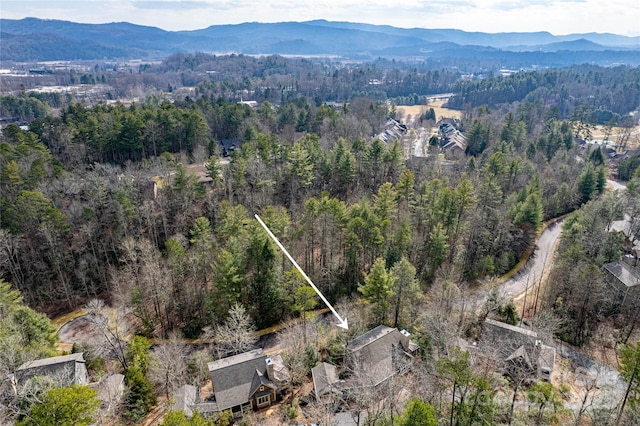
[[236, 359]]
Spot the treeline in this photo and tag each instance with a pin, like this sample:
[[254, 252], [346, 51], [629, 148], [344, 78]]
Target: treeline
[[272, 78], [28, 107], [116, 134], [609, 93], [181, 254], [276, 79]]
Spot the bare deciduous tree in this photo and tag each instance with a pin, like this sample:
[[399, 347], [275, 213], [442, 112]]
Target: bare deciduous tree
[[113, 328], [168, 367], [236, 335]]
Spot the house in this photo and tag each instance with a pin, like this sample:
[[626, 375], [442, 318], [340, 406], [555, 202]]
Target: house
[[451, 139], [67, 370], [243, 381], [370, 359], [251, 104], [185, 399], [624, 279], [517, 346], [393, 131], [158, 183], [380, 354], [228, 146], [325, 379], [250, 379]]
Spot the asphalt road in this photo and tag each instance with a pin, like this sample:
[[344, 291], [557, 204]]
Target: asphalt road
[[537, 267], [539, 264]]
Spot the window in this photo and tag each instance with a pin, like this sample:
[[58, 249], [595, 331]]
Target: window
[[262, 400]]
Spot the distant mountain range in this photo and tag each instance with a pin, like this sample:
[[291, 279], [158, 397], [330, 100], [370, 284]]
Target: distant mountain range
[[32, 39]]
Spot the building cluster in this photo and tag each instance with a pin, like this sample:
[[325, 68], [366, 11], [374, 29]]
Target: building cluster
[[393, 131], [253, 380], [451, 139], [370, 360]]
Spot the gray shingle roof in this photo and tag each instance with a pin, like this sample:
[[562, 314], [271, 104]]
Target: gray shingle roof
[[510, 327], [110, 388], [44, 362], [371, 336], [520, 353], [232, 377], [547, 357], [281, 373], [259, 380], [377, 354], [627, 275], [324, 377], [184, 398], [67, 369]]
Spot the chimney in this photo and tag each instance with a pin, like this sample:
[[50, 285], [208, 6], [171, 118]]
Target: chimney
[[404, 340], [270, 370]]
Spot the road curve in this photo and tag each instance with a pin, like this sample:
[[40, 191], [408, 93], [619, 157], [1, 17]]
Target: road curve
[[539, 264], [537, 267]]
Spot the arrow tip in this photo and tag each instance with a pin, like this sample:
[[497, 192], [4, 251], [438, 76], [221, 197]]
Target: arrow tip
[[343, 324]]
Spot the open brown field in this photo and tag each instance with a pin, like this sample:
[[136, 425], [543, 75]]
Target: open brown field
[[633, 142], [416, 110]]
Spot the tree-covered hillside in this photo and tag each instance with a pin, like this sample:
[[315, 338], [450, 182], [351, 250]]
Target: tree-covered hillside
[[79, 205], [143, 214]]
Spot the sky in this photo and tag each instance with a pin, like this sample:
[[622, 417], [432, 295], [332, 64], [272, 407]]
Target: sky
[[558, 17]]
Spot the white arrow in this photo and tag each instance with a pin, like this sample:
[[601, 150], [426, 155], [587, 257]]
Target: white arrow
[[343, 322]]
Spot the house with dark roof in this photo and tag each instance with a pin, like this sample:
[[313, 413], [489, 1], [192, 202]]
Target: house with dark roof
[[624, 280], [370, 359], [243, 381], [67, 370], [517, 346], [325, 380], [379, 354]]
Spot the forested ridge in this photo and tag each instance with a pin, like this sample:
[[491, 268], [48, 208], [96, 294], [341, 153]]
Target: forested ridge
[[609, 92], [32, 39], [135, 205]]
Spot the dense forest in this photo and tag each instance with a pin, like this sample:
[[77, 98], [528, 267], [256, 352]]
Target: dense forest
[[609, 93], [136, 205], [339, 201]]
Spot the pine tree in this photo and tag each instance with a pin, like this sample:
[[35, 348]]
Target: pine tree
[[378, 289]]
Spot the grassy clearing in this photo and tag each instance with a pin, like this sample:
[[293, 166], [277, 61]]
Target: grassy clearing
[[441, 112], [63, 319]]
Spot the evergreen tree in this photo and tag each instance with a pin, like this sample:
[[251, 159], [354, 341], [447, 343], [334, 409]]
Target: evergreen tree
[[418, 413], [74, 406], [378, 289], [406, 291], [139, 397], [630, 372]]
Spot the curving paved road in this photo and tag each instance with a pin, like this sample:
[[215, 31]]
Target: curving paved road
[[534, 271], [539, 264], [537, 267]]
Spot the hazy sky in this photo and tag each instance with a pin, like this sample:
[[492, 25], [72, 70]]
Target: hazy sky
[[556, 16]]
